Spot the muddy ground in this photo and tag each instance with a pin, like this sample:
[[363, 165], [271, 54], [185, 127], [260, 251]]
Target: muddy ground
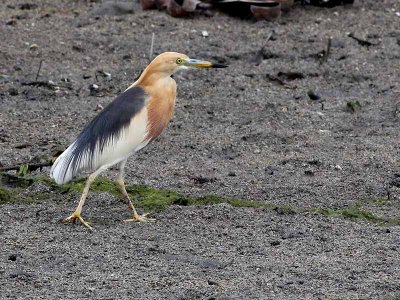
[[316, 138]]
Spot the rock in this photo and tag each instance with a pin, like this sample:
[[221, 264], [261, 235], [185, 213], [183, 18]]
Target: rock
[[309, 172], [21, 274], [99, 107], [270, 170], [11, 22], [13, 257], [33, 47], [28, 6], [353, 106], [212, 282], [313, 96], [13, 91], [202, 180], [94, 89], [338, 168], [275, 243]]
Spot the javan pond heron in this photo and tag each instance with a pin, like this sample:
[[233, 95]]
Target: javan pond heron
[[126, 125]]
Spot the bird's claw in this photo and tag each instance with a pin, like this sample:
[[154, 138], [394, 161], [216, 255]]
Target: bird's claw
[[75, 216], [140, 218]]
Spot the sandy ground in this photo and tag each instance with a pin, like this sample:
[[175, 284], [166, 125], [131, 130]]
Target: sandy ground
[[250, 132]]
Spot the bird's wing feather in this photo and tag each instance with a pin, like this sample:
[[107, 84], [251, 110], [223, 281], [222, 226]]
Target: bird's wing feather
[[117, 131]]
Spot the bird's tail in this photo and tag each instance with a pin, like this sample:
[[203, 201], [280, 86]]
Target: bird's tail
[[62, 171]]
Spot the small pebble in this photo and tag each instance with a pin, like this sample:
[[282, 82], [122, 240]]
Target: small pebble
[[212, 282], [309, 172], [13, 92], [269, 170], [11, 22], [275, 243], [204, 33], [12, 257], [99, 107], [93, 87], [313, 96]]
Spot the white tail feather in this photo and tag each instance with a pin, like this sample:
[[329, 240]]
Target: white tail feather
[[61, 171]]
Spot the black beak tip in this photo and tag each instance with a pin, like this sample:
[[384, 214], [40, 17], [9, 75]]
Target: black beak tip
[[219, 66]]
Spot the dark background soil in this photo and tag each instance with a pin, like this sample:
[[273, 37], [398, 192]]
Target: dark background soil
[[250, 132]]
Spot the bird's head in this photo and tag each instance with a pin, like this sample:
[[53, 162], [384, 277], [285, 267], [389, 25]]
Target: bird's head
[[170, 62]]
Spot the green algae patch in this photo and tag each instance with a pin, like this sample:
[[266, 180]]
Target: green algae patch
[[7, 196], [213, 199], [286, 209], [151, 199], [15, 181], [378, 202], [353, 214], [101, 184], [13, 196], [148, 198]]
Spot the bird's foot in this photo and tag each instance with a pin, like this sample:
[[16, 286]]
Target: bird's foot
[[76, 216], [140, 218]]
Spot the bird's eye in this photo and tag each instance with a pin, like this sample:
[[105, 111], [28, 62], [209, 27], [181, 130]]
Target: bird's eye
[[179, 61]]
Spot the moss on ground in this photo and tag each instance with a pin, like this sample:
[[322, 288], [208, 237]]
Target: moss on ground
[[7, 196], [152, 199], [13, 196], [352, 213]]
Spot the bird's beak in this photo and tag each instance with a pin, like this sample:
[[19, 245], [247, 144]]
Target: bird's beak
[[197, 63]]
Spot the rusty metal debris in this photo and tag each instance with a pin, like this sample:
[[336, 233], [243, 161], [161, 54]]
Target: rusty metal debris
[[269, 10], [176, 8]]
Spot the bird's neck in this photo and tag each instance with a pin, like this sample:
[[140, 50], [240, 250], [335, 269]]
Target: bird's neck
[[149, 78]]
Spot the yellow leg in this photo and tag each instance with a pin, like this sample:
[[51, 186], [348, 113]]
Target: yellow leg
[[121, 184], [77, 213]]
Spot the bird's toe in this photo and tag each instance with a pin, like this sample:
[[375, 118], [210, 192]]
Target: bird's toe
[[141, 218], [75, 216]]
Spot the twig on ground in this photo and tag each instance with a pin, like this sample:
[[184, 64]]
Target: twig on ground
[[260, 53], [362, 42], [38, 71], [31, 167], [151, 47], [48, 84], [327, 52]]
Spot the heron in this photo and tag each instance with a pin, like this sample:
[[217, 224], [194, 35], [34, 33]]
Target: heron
[[130, 122]]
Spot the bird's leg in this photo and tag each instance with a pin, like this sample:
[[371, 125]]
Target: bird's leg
[[121, 184], [77, 213]]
